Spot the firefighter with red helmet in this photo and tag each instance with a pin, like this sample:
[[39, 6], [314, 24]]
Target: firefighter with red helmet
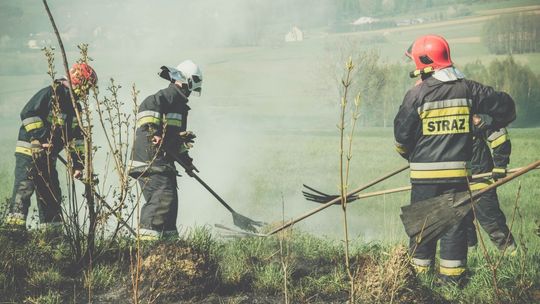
[[49, 124], [160, 139], [433, 131]]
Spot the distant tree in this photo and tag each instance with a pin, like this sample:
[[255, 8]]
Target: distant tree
[[513, 34], [516, 79]]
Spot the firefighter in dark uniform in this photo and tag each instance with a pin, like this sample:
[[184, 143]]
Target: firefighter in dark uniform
[[161, 137], [49, 125], [486, 142], [433, 131]]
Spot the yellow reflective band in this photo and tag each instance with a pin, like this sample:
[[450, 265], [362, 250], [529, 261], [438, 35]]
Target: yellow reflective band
[[79, 148], [499, 141], [428, 69], [445, 112], [147, 120], [479, 186], [445, 125], [56, 120], [33, 126], [14, 221], [420, 269], [440, 173], [499, 170], [148, 238], [173, 122], [23, 150], [451, 271]]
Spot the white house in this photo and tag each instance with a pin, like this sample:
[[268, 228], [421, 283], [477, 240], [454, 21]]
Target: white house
[[294, 35]]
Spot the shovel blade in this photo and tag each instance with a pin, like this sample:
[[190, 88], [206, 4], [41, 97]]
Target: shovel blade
[[246, 223], [431, 218]]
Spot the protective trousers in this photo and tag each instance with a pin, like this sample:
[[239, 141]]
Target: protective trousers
[[490, 216], [37, 174], [453, 244], [158, 214]]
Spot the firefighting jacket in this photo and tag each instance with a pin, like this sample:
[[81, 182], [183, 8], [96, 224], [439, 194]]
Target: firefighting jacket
[[491, 148], [162, 114], [49, 117], [433, 127]]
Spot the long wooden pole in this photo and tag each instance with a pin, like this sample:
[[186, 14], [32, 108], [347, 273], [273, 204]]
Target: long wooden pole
[[408, 188], [338, 199], [370, 194]]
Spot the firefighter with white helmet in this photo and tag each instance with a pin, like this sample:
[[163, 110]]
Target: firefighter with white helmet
[[433, 131], [161, 137], [49, 124]]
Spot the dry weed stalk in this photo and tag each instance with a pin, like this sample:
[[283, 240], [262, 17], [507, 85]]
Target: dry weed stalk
[[485, 252], [390, 281], [344, 165], [284, 253], [492, 263], [85, 124], [523, 284], [82, 220]]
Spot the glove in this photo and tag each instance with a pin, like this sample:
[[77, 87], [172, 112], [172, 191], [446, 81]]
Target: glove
[[498, 173], [481, 124], [187, 137], [402, 150], [187, 140]]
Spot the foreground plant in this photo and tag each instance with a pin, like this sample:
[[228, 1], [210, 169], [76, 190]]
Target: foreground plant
[[344, 165]]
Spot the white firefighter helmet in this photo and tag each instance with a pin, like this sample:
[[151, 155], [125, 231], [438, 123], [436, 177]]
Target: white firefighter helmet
[[193, 75]]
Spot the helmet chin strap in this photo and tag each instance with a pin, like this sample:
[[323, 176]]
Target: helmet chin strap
[[182, 88]]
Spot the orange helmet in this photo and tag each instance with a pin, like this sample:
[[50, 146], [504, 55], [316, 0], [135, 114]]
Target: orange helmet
[[430, 52], [82, 73]]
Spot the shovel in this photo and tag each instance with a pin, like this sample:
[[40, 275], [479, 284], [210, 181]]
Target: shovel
[[336, 200], [239, 220], [429, 219]]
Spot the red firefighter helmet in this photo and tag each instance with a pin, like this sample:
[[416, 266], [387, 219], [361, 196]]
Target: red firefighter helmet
[[430, 51], [82, 73]]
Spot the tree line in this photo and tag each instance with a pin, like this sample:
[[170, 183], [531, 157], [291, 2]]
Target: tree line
[[380, 8], [382, 85], [516, 79], [512, 34]]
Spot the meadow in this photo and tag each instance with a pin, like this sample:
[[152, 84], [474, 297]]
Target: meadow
[[249, 269]]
